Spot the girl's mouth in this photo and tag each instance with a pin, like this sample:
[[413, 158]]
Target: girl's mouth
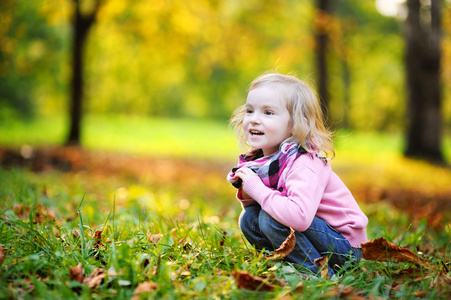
[[256, 132]]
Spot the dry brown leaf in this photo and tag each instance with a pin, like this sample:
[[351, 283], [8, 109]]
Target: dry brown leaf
[[382, 250], [41, 213], [421, 294], [248, 282], [96, 278], [153, 238], [299, 288], [76, 273], [323, 265], [44, 214], [144, 287], [415, 272], [443, 280], [2, 254], [98, 239], [22, 287], [286, 247], [343, 292]]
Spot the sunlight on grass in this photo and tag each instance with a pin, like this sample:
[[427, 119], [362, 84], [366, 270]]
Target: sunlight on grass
[[161, 137], [362, 158], [195, 138]]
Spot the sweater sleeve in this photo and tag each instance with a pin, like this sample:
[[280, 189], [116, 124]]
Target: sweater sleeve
[[244, 201], [297, 205]]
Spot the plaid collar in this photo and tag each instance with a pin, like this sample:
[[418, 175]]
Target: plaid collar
[[268, 168]]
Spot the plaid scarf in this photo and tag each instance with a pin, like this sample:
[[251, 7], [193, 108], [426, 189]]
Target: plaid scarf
[[269, 168]]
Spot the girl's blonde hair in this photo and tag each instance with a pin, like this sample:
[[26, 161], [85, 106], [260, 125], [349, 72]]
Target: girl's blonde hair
[[305, 112]]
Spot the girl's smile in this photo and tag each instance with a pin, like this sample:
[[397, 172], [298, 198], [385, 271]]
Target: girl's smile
[[267, 122]]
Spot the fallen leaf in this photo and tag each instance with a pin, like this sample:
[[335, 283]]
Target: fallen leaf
[[441, 281], [248, 282], [382, 250], [286, 247], [343, 292], [112, 272], [22, 287], [21, 211], [396, 286], [95, 279], [409, 273], [299, 288], [421, 294], [76, 273], [323, 265], [41, 213], [98, 239], [153, 238], [144, 287]]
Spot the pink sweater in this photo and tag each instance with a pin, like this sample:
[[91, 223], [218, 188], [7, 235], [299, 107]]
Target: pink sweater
[[311, 188]]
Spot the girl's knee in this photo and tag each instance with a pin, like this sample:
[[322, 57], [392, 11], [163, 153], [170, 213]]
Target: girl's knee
[[248, 217], [268, 225]]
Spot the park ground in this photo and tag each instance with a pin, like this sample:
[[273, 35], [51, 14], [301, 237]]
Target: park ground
[[98, 223]]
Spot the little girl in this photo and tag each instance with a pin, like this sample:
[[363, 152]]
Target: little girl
[[285, 179]]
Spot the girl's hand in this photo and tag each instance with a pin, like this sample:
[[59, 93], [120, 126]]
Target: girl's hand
[[245, 174], [244, 195]]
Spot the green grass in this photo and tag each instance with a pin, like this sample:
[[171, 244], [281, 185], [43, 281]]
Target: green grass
[[196, 138], [201, 244]]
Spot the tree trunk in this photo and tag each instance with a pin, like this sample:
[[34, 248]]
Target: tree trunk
[[81, 27], [322, 18], [423, 39]]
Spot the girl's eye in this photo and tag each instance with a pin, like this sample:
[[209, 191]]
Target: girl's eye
[[268, 112], [249, 111]]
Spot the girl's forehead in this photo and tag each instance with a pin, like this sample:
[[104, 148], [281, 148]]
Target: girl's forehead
[[266, 95]]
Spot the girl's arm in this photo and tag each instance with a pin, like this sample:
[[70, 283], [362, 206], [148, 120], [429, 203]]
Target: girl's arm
[[297, 204]]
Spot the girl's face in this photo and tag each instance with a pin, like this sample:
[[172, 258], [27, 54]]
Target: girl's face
[[266, 123]]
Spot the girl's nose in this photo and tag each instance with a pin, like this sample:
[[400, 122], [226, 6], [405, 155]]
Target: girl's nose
[[255, 119]]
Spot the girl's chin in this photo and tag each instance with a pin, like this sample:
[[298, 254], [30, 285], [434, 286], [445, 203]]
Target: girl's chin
[[256, 145]]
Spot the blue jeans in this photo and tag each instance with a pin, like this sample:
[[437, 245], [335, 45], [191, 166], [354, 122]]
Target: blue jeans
[[320, 239]]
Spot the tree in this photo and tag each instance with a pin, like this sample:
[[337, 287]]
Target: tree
[[423, 38], [82, 23], [322, 21]]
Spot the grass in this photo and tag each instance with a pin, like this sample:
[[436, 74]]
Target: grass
[[194, 138], [182, 236]]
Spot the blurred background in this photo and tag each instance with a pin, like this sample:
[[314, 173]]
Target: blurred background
[[69, 66], [128, 101]]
